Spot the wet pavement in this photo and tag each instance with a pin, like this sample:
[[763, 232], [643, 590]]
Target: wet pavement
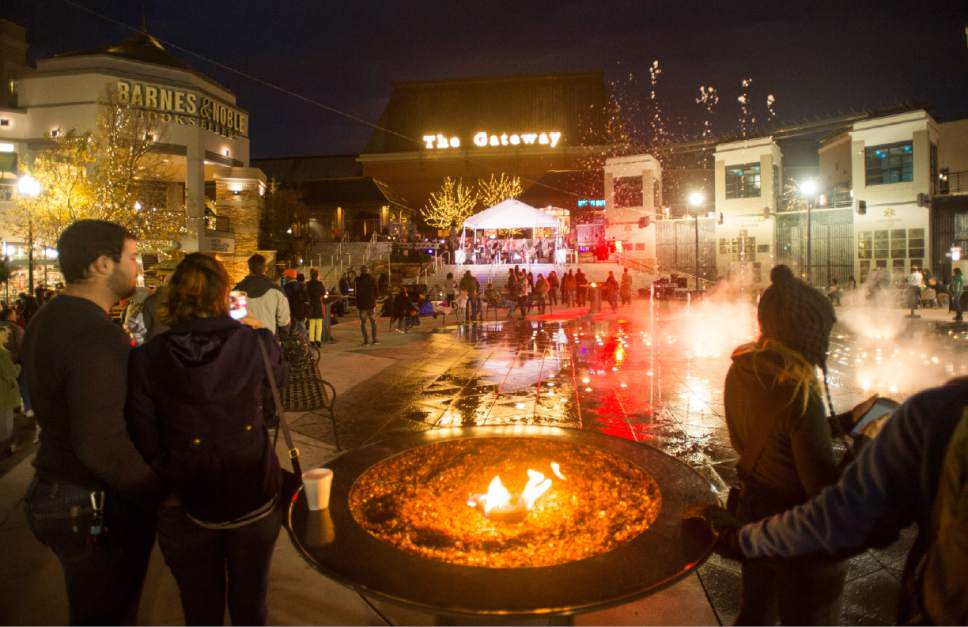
[[648, 375]]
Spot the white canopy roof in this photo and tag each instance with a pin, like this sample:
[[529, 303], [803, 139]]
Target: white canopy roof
[[510, 214]]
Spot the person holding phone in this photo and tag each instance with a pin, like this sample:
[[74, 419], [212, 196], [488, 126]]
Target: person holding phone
[[194, 411], [778, 425]]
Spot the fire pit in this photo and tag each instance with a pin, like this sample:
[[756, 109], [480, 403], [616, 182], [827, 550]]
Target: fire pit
[[512, 521]]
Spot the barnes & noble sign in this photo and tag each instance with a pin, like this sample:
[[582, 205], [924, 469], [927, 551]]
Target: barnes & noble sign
[[184, 107]]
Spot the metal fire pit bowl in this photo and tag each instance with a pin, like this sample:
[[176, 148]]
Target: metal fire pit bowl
[[338, 547]]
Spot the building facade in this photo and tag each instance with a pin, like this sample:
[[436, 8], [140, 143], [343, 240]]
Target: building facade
[[202, 136], [525, 126]]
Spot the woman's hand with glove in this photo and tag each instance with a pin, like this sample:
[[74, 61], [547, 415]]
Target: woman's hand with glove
[[707, 523]]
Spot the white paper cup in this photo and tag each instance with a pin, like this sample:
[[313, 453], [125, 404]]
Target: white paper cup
[[317, 484]]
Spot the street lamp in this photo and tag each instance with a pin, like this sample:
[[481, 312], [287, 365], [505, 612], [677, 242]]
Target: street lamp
[[808, 190], [696, 200], [29, 187]]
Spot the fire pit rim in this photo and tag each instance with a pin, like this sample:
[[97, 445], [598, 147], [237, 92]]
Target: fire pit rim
[[396, 444]]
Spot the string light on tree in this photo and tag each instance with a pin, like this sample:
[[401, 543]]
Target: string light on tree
[[452, 204], [498, 188], [770, 107]]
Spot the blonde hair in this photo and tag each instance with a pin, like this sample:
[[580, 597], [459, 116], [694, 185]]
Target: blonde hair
[[795, 369]]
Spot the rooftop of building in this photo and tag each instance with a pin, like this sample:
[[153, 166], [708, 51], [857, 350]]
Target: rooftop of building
[[142, 48]]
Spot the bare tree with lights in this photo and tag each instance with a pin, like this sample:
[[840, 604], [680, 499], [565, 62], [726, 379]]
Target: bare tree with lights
[[451, 205], [498, 188]]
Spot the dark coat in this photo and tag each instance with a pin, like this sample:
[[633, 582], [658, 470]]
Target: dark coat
[[314, 292], [298, 299], [194, 410], [366, 291]]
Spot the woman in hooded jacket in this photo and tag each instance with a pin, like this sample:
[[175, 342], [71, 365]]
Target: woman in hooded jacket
[[778, 423], [195, 412]]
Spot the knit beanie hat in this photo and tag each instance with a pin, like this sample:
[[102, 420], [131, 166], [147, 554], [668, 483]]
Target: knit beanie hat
[[797, 315]]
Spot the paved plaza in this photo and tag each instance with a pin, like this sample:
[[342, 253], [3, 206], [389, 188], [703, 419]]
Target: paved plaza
[[648, 375]]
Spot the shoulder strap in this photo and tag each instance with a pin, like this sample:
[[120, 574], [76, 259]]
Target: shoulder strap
[[280, 411]]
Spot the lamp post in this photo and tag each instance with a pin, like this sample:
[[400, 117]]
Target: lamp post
[[29, 187], [696, 200], [808, 190]]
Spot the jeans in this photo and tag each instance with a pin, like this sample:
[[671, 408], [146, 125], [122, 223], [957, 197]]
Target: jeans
[[364, 314], [207, 563], [103, 579], [799, 591]]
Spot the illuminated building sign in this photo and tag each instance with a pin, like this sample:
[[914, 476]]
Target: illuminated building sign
[[483, 139], [184, 107], [591, 202]]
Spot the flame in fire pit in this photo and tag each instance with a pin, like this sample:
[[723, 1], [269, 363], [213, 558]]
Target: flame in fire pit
[[498, 503]]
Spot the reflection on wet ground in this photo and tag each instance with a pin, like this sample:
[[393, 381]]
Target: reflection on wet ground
[[653, 376]]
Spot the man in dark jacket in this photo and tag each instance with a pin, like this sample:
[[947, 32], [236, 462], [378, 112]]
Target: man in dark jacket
[[93, 499], [298, 302], [472, 286], [366, 293], [315, 292]]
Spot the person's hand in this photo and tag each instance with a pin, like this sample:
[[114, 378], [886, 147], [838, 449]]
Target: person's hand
[[714, 523], [249, 321], [862, 408]]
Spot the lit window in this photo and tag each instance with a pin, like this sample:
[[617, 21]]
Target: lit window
[[5, 122], [889, 163], [743, 181]]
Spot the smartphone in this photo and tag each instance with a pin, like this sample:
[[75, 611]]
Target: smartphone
[[238, 304], [880, 408]]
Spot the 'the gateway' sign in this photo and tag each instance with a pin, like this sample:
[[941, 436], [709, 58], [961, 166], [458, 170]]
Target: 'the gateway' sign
[[184, 107], [483, 139]]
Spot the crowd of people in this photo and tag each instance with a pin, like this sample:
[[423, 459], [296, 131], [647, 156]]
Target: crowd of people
[[507, 251], [523, 291], [918, 289]]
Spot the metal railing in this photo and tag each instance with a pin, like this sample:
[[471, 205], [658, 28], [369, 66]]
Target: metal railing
[[957, 182]]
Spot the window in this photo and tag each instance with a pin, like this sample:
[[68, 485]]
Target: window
[[881, 245], [865, 270], [915, 244], [899, 266], [743, 181], [628, 191], [898, 244], [865, 249], [889, 163]]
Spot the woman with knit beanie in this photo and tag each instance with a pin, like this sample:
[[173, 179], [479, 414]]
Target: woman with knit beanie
[[778, 425]]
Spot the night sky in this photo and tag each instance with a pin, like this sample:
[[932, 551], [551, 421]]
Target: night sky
[[817, 58]]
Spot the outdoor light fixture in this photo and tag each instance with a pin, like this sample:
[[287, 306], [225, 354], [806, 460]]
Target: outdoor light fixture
[[808, 188], [137, 205], [28, 186], [55, 132], [696, 199]]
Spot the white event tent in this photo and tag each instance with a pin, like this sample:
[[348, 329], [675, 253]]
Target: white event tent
[[508, 214]]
